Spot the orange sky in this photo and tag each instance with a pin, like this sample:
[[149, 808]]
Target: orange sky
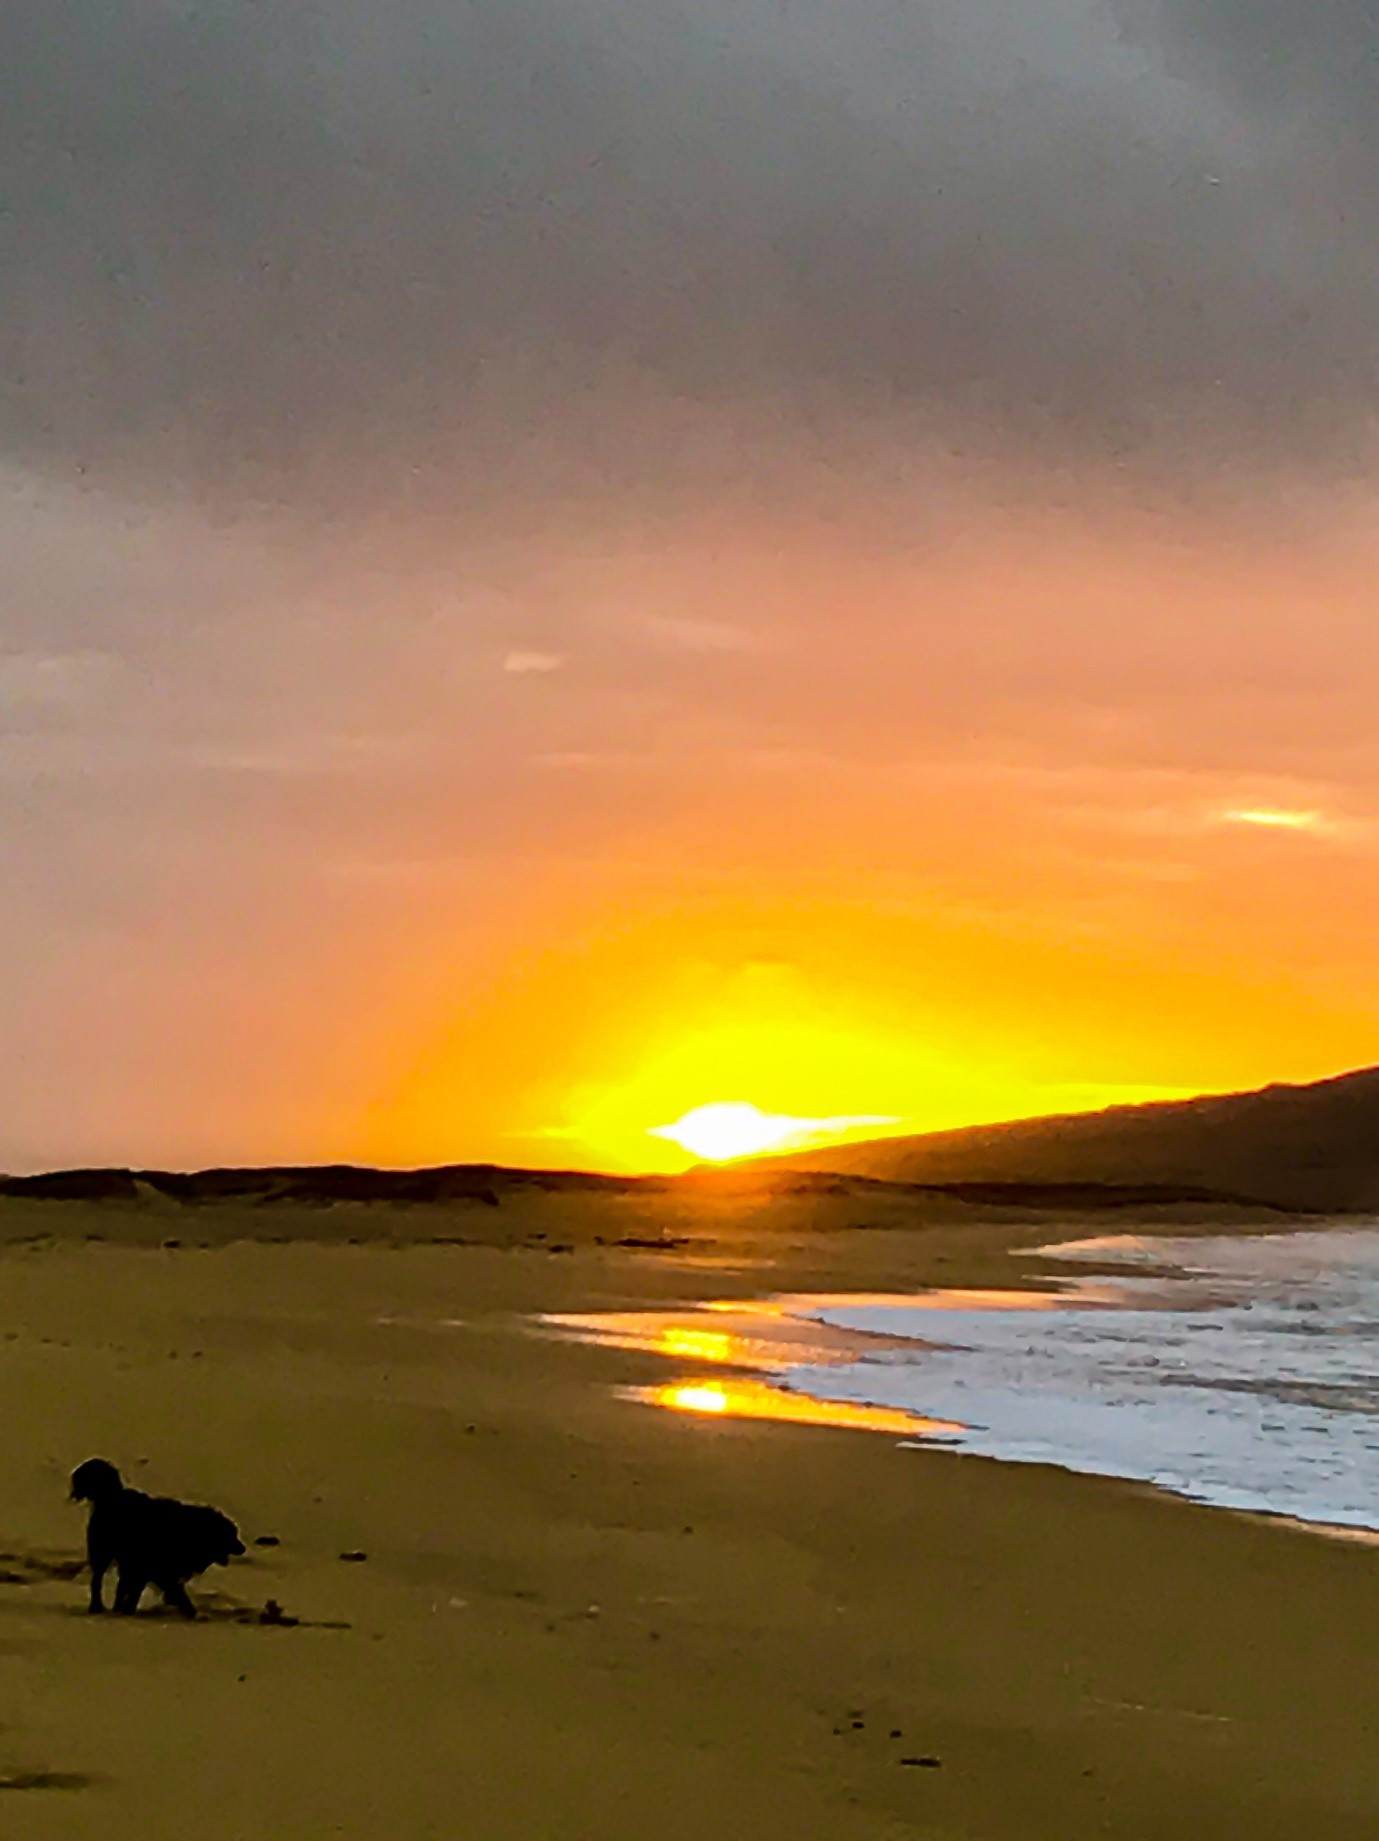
[[941, 837], [942, 832]]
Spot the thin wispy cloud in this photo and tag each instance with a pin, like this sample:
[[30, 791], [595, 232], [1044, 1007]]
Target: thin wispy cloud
[[521, 664], [701, 635], [53, 681], [1276, 818]]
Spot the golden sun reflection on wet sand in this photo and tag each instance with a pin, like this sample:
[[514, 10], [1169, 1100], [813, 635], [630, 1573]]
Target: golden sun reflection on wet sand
[[771, 1335], [765, 1339], [696, 1345], [745, 1399]]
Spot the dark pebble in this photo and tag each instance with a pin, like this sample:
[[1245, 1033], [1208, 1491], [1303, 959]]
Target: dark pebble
[[265, 1540], [924, 1764], [354, 1554]]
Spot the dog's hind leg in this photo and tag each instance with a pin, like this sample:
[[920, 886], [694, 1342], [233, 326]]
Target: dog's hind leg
[[175, 1594], [128, 1593]]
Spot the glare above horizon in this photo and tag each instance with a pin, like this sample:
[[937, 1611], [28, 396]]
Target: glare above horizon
[[723, 1132]]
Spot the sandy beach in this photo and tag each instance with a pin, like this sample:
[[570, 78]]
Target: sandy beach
[[581, 1617]]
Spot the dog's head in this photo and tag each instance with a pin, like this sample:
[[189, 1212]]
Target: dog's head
[[230, 1543], [95, 1481]]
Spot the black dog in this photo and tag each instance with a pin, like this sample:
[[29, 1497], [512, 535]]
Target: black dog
[[149, 1540]]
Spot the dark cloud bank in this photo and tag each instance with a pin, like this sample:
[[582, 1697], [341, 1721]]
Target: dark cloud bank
[[275, 249]]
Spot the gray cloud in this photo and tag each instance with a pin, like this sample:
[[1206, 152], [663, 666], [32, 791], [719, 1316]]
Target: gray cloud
[[288, 251], [1316, 62]]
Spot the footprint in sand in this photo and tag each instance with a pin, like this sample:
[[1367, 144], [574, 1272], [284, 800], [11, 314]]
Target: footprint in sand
[[44, 1780], [38, 1568]]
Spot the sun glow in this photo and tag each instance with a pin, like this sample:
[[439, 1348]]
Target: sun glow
[[720, 1133], [752, 1028]]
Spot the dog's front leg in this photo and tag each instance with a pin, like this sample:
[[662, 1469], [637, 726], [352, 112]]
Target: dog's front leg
[[100, 1561]]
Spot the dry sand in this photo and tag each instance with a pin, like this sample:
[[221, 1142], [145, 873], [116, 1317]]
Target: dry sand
[[589, 1620]]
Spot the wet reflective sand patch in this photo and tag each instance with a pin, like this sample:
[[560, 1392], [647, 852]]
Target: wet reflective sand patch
[[768, 1337], [747, 1399], [745, 1344]]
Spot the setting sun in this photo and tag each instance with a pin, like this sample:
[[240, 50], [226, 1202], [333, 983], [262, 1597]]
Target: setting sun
[[720, 1133]]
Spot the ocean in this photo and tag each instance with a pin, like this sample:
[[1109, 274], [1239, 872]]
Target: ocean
[[1238, 1371]]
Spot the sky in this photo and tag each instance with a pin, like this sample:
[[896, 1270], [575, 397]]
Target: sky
[[567, 561]]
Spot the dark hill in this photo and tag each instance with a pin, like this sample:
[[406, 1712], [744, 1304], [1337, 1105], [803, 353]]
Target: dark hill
[[1312, 1148], [489, 1185], [318, 1185]]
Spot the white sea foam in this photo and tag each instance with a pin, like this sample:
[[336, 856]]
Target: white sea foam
[[1242, 1372]]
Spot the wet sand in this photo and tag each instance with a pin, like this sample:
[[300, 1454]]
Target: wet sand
[[583, 1617]]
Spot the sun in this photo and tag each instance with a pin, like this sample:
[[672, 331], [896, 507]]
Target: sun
[[730, 1129]]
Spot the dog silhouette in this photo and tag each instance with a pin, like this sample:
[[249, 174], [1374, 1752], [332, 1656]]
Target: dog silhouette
[[149, 1540]]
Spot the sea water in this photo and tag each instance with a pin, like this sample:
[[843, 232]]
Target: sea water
[[1242, 1372]]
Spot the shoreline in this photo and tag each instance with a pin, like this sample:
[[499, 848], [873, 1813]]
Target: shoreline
[[763, 1358]]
